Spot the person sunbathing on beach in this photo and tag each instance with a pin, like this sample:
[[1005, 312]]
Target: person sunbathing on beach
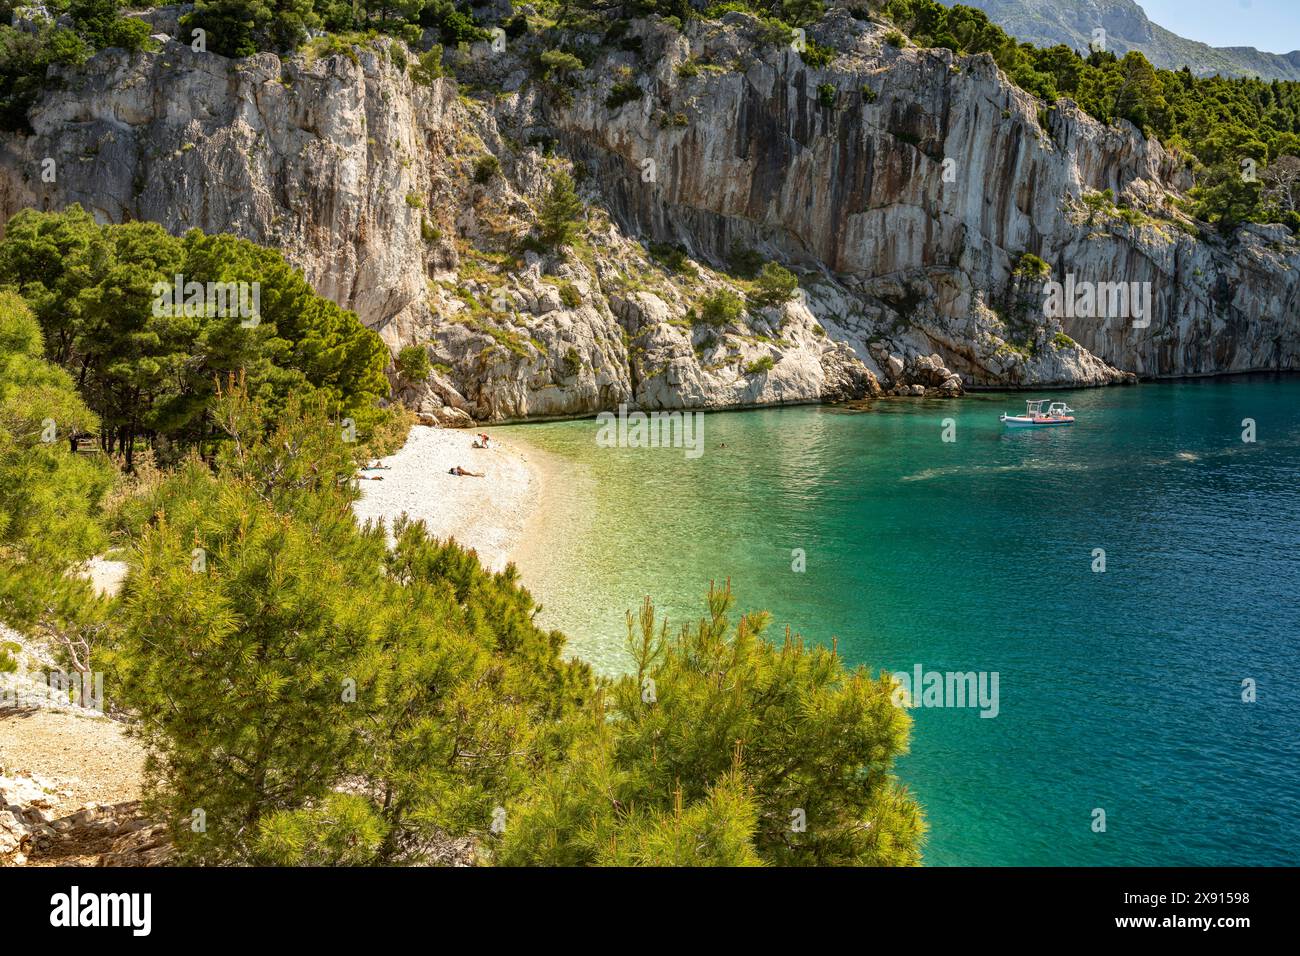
[[457, 470]]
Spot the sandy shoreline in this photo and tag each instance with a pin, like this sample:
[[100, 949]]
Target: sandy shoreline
[[490, 515]]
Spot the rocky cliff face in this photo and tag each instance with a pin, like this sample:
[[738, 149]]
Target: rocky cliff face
[[904, 186]]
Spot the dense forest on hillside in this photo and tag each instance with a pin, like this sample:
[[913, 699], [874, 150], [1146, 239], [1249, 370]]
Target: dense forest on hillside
[[1219, 125], [311, 695]]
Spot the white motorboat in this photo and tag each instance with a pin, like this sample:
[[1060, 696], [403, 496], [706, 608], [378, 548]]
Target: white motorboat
[[1058, 413]]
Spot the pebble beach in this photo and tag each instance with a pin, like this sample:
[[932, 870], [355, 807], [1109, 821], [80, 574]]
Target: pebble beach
[[487, 514]]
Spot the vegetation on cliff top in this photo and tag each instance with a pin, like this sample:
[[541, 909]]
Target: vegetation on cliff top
[[26, 54], [1241, 137]]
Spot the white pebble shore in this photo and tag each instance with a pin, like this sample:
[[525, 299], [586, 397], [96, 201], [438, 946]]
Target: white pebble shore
[[486, 514]]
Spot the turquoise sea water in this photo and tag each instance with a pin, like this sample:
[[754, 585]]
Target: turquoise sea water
[[1119, 690]]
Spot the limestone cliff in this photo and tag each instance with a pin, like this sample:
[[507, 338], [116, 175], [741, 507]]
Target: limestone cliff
[[904, 186]]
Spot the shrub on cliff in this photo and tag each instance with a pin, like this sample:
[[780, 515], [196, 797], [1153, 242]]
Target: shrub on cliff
[[101, 24], [245, 27], [801, 12], [772, 32], [570, 296], [673, 257], [485, 168], [774, 286], [455, 23], [623, 93], [818, 56], [744, 263], [561, 213], [1226, 199], [25, 58], [428, 66], [559, 64], [721, 308], [413, 363], [1030, 266]]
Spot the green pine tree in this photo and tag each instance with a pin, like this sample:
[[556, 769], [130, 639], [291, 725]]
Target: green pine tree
[[719, 749], [561, 213]]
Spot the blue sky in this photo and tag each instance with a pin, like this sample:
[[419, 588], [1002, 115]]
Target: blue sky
[[1272, 25]]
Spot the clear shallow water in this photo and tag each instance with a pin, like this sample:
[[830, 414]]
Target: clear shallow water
[[1119, 690]]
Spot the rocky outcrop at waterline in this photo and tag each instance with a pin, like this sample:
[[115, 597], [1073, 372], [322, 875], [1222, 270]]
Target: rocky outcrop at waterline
[[906, 187]]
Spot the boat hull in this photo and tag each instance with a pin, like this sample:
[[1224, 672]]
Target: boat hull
[[1018, 421]]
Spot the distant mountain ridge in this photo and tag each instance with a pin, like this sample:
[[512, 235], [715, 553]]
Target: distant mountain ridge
[[1048, 22]]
